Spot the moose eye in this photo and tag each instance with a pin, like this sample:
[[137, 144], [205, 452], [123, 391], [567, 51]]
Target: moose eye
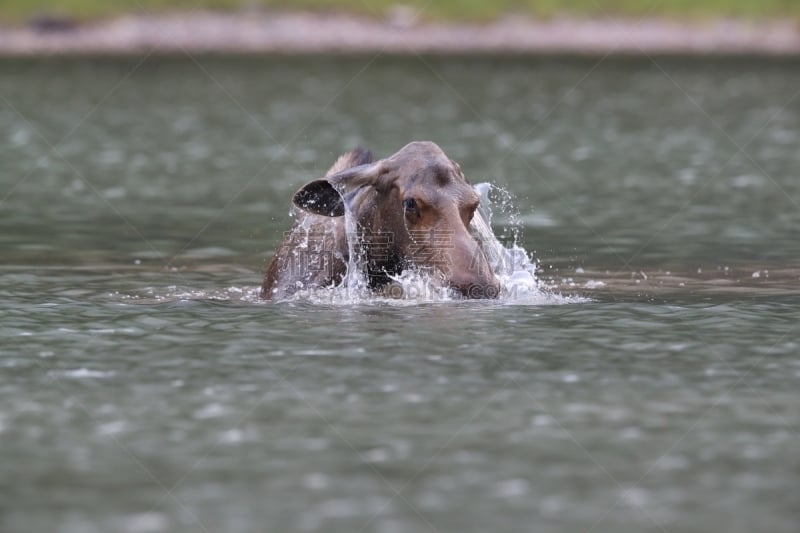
[[409, 204]]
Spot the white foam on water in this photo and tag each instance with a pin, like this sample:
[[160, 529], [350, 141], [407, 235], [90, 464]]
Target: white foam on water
[[174, 293], [83, 373]]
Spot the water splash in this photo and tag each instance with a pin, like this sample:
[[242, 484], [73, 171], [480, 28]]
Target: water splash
[[354, 281], [511, 264]]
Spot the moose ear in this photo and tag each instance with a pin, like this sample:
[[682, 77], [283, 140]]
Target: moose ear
[[321, 198], [326, 196]]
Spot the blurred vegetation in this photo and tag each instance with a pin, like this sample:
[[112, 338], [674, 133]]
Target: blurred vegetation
[[21, 10]]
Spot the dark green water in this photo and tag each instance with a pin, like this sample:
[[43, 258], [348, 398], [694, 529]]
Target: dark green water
[[144, 388]]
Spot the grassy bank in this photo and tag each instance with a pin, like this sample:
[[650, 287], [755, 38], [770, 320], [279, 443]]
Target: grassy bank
[[456, 10]]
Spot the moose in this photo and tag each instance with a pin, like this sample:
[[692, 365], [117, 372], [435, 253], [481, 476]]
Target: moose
[[411, 210]]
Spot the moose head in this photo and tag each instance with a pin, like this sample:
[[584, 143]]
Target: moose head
[[412, 209]]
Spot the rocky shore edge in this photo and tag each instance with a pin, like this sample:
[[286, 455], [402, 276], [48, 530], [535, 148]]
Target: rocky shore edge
[[312, 33]]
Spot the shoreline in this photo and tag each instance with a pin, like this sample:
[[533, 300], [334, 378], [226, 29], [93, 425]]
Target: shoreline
[[314, 33]]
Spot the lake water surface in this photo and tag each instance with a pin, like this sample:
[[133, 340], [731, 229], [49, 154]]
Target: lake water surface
[[652, 385]]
